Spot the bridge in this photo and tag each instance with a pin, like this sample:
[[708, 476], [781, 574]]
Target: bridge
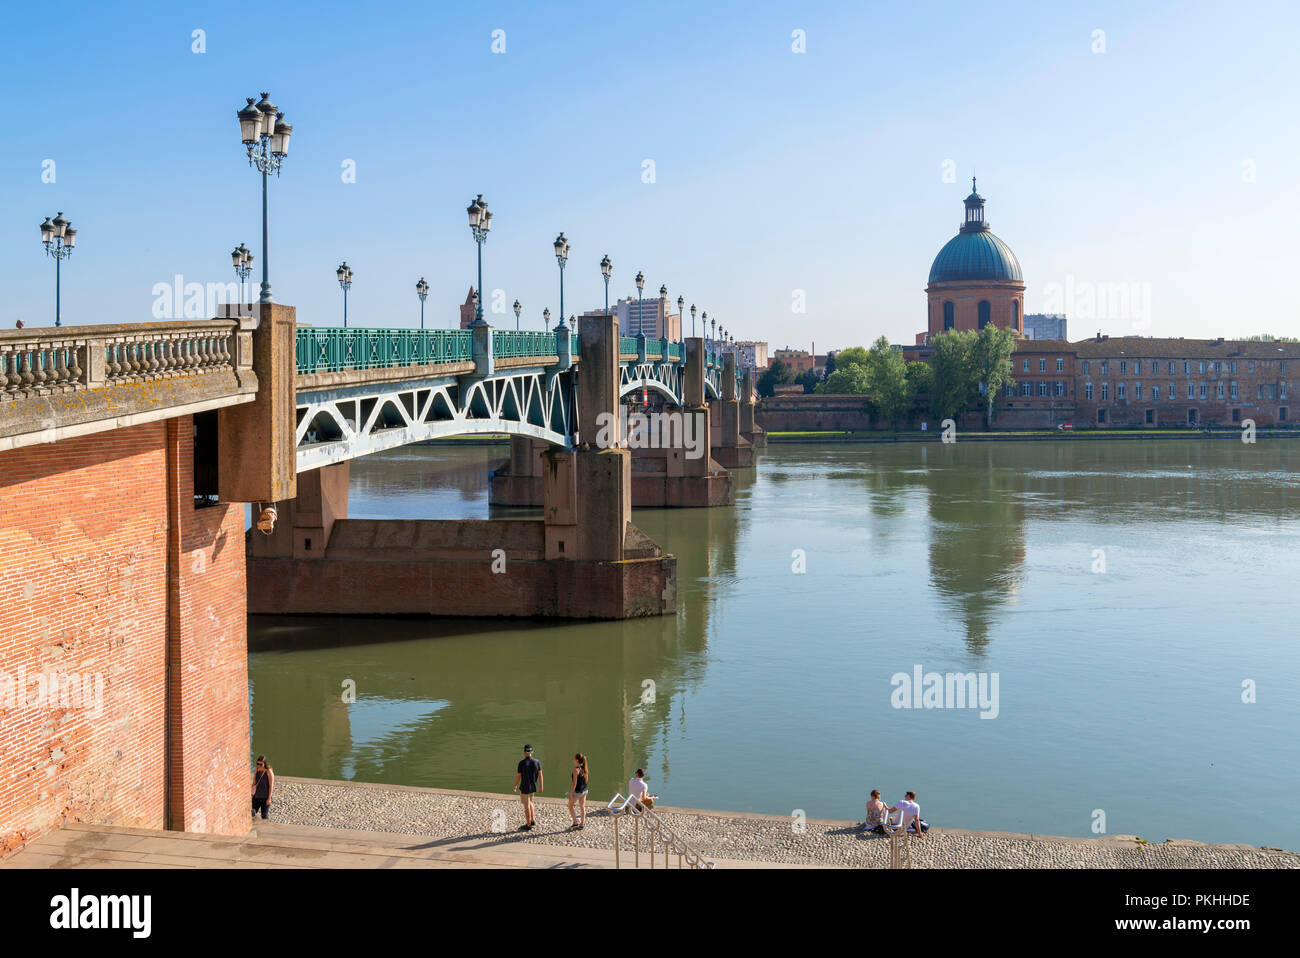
[[128, 454]]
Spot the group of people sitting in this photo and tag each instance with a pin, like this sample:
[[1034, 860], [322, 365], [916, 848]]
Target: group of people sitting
[[909, 820]]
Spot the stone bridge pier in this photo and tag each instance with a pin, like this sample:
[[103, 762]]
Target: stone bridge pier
[[729, 446], [583, 559]]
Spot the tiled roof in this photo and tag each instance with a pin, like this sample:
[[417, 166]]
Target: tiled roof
[[1144, 347]]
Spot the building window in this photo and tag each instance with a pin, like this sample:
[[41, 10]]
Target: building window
[[1251, 367], [947, 315], [1087, 391], [1234, 389], [1119, 390], [1009, 390], [1155, 394], [1171, 367], [1085, 367], [1281, 413], [1259, 391], [1220, 390], [1137, 390], [1059, 388], [1282, 394], [1101, 417], [1123, 368], [1024, 365], [1172, 394], [1105, 392], [984, 313], [1202, 390], [1042, 388], [1191, 390], [1024, 389], [1060, 364], [1042, 364], [1104, 367], [1015, 315], [1187, 368], [1236, 415], [1283, 367], [1151, 416], [1202, 367], [1270, 391], [1234, 367]]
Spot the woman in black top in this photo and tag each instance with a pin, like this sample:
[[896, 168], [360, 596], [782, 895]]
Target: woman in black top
[[578, 791], [263, 781]]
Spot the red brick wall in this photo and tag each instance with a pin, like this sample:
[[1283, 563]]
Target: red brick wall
[[104, 563]]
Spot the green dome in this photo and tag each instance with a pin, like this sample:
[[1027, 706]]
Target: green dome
[[975, 255]]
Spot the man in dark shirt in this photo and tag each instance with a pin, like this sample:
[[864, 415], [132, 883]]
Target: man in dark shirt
[[528, 781]]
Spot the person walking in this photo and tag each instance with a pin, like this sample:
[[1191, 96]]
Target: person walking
[[528, 782], [578, 790], [263, 782]]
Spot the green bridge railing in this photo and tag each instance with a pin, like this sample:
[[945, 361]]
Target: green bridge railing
[[333, 348], [323, 349]]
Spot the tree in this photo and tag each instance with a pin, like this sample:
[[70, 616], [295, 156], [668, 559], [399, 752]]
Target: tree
[[809, 380], [853, 356], [777, 374], [845, 381], [887, 383], [921, 376], [830, 364], [953, 373], [992, 365]]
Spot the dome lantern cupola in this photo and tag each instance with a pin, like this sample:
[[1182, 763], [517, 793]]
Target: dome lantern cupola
[[975, 221]]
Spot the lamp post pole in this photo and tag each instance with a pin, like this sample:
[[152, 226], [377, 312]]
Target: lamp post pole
[[606, 268], [344, 273], [546, 318], [243, 261], [480, 221], [640, 285], [422, 291], [59, 238], [561, 257], [692, 320], [266, 137], [518, 309]]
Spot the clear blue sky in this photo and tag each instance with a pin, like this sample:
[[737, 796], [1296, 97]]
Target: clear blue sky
[[775, 171]]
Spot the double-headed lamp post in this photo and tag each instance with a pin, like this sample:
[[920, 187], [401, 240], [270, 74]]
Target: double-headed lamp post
[[264, 132], [561, 257], [692, 320], [243, 261], [422, 291], [663, 309], [59, 238], [713, 331], [518, 309], [480, 221], [681, 313], [606, 270], [640, 285], [546, 318], [344, 273]]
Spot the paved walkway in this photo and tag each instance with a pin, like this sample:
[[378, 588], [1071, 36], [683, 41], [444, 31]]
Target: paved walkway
[[275, 845]]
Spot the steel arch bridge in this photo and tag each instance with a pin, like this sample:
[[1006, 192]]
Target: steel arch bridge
[[353, 398]]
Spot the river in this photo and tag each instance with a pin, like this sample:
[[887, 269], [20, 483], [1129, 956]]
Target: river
[[1135, 600]]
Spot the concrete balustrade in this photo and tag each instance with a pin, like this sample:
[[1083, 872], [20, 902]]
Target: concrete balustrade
[[75, 380]]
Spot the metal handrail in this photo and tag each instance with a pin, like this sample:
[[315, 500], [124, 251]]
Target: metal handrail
[[657, 830]]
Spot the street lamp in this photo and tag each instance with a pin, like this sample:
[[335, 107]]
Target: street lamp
[[480, 221], [344, 273], [243, 261], [518, 309], [266, 136], [561, 257], [546, 318], [59, 238], [692, 320], [422, 291], [681, 310], [713, 326], [606, 268], [640, 321]]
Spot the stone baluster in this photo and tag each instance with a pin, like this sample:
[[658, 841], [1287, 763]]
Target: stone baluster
[[77, 371]]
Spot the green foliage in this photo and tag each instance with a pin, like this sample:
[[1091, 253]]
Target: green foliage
[[921, 376], [809, 380], [853, 356], [953, 373], [887, 383], [777, 374], [845, 381], [992, 364]]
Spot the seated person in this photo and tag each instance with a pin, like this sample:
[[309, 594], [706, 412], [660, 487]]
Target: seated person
[[639, 790], [876, 812], [910, 815]]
